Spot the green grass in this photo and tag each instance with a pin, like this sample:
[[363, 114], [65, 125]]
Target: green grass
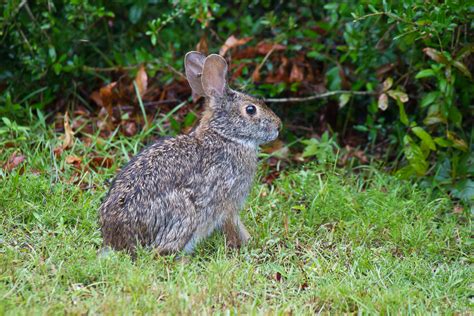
[[324, 240]]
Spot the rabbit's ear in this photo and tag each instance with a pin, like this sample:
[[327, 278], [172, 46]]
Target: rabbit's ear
[[213, 75], [193, 65]]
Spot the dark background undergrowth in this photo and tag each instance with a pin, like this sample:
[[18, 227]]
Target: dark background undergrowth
[[401, 74]]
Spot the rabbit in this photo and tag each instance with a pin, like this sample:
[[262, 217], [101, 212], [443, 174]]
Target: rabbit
[[177, 191]]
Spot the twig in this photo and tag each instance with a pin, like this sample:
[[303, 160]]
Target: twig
[[264, 60], [32, 17], [318, 96], [109, 69], [176, 72]]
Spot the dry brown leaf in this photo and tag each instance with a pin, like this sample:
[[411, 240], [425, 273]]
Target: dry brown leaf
[[233, 42], [74, 160], [13, 162], [202, 46], [458, 209], [277, 277], [256, 75], [95, 96], [106, 96], [141, 80], [264, 47], [58, 151], [384, 69], [383, 102], [296, 74], [130, 129], [68, 133], [103, 162], [435, 55]]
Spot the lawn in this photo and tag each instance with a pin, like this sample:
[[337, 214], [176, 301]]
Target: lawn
[[324, 240]]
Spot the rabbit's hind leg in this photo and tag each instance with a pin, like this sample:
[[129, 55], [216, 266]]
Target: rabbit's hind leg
[[235, 232]]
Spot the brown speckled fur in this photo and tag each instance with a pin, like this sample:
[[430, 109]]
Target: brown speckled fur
[[179, 190]]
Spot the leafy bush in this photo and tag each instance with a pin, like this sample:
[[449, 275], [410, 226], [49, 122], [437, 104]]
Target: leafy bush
[[412, 58]]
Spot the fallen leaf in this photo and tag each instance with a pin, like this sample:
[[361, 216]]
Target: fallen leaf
[[264, 47], [106, 96], [232, 42], [458, 209], [14, 161], [102, 162], [74, 160], [278, 277], [35, 172], [141, 80], [256, 75], [303, 286], [281, 74], [273, 146], [296, 74], [58, 151], [68, 133], [95, 96], [383, 102], [272, 176], [130, 129]]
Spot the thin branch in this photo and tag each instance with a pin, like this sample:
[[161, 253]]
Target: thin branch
[[176, 72], [318, 96], [108, 69], [265, 59]]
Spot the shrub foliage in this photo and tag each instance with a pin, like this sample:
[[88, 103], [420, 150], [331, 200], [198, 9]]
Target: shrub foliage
[[413, 58]]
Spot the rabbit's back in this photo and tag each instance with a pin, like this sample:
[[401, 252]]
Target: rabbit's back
[[152, 195]]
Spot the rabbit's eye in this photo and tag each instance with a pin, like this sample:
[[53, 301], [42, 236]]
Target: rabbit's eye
[[251, 109]]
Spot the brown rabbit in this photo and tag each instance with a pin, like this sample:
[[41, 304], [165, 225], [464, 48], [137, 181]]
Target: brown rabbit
[[179, 190]]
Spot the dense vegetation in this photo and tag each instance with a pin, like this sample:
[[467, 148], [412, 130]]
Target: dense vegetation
[[84, 85], [413, 58]]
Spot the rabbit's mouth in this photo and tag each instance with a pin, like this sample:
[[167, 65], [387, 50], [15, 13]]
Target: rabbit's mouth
[[271, 135]]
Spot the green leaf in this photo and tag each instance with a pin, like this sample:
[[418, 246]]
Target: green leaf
[[465, 51], [403, 114], [189, 119], [462, 68], [344, 99], [311, 148], [414, 155], [405, 172], [455, 115], [135, 13], [429, 98], [387, 84], [425, 73], [464, 190], [7, 121], [425, 137], [443, 142], [434, 118]]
